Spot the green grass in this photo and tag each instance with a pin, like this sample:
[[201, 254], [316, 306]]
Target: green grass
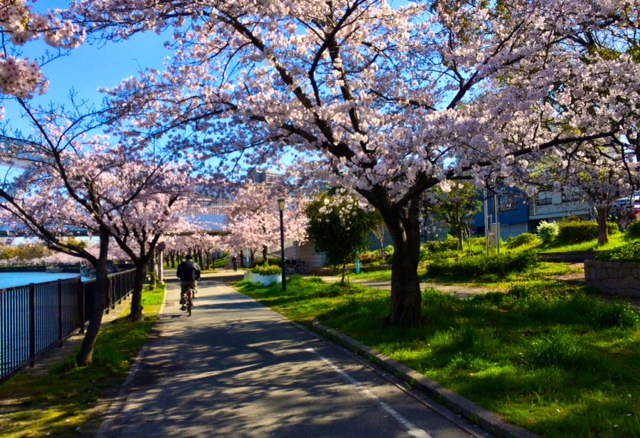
[[615, 240], [68, 400], [371, 276], [554, 360]]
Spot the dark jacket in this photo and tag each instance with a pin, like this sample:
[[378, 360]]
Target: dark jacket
[[188, 271]]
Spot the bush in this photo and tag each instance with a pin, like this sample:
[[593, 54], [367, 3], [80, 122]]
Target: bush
[[633, 231], [267, 270], [522, 240], [471, 267], [368, 257], [629, 252], [577, 232], [547, 231], [270, 261], [450, 244], [582, 231]]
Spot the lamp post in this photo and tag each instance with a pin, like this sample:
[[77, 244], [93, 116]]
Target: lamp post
[[281, 208]]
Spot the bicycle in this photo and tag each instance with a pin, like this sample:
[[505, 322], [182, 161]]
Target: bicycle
[[188, 297]]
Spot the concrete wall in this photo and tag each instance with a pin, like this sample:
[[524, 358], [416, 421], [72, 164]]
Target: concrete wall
[[616, 278]]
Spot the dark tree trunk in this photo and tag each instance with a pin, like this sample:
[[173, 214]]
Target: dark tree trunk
[[136, 296], [404, 227], [265, 255], [603, 231], [242, 264], [85, 355], [152, 270]]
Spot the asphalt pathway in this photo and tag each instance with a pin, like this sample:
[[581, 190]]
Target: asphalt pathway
[[236, 368]]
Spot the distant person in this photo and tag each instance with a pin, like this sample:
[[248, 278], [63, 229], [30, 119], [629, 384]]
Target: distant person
[[188, 273], [234, 262]]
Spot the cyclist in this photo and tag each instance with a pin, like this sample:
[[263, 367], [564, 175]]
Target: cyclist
[[188, 273]]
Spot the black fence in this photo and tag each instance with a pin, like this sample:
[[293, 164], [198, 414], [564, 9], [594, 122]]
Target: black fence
[[37, 317]]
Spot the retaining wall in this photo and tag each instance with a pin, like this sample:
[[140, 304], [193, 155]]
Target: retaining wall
[[616, 278]]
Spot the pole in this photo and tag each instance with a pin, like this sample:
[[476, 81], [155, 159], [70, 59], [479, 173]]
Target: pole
[[495, 211], [486, 222], [284, 277]]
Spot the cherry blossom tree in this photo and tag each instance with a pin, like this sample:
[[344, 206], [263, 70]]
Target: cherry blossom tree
[[392, 101], [128, 192], [597, 175], [19, 24], [253, 221]]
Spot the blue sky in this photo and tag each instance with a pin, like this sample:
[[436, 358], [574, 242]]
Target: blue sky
[[89, 68]]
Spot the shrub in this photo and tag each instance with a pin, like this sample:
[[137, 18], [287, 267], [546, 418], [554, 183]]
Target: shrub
[[629, 252], [471, 267], [633, 231], [577, 232], [270, 261], [582, 231], [367, 257], [547, 231], [522, 240], [267, 270], [451, 244]]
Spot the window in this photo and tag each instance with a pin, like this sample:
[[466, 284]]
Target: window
[[507, 202], [544, 198]]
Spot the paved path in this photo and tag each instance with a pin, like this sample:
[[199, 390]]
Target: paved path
[[236, 368], [458, 290]]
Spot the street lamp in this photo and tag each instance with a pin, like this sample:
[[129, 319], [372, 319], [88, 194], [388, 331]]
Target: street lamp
[[281, 208]]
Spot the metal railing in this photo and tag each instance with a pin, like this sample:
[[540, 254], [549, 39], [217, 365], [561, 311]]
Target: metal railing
[[37, 317]]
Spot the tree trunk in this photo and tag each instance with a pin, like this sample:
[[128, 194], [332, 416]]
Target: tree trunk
[[404, 227], [152, 270], [603, 231], [85, 355], [138, 286], [242, 264], [265, 255]]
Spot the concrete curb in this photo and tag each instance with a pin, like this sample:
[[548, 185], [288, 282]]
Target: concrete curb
[[487, 420]]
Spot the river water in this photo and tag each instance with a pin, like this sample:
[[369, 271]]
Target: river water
[[12, 279]]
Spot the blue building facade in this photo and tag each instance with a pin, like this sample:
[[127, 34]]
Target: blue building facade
[[512, 213]]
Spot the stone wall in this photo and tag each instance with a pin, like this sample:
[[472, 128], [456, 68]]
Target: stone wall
[[616, 278]]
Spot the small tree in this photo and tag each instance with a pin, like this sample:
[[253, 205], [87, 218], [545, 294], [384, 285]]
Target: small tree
[[456, 202], [340, 227]]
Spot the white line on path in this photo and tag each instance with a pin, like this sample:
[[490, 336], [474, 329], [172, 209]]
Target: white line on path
[[410, 427]]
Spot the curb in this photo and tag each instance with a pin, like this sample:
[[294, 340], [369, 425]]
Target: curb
[[487, 420]]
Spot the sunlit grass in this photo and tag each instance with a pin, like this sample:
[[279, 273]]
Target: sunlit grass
[[615, 240], [552, 359], [68, 399]]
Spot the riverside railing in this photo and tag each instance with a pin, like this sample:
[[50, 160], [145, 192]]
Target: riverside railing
[[37, 317]]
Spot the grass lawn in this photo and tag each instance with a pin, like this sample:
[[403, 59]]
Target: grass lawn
[[546, 355], [615, 240], [69, 400]]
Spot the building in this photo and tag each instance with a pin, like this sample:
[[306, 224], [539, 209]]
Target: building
[[553, 206], [517, 213], [512, 213]]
